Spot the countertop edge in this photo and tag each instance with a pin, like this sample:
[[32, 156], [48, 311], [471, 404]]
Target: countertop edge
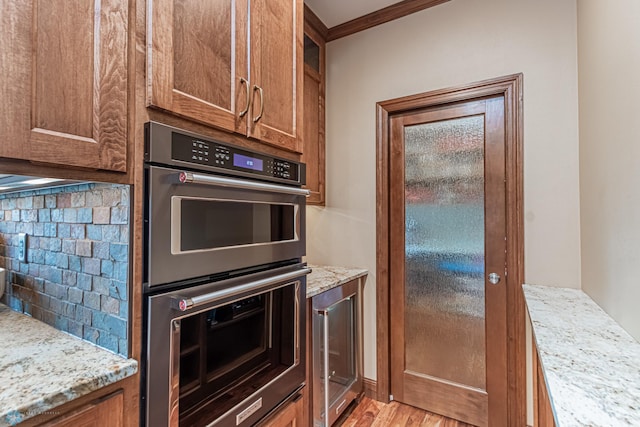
[[324, 277], [54, 381], [540, 359], [55, 400], [582, 351]]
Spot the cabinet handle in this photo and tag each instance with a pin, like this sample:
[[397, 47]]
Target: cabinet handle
[[244, 81], [259, 89]]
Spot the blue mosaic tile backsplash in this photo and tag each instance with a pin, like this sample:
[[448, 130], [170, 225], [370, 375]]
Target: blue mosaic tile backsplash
[[75, 277]]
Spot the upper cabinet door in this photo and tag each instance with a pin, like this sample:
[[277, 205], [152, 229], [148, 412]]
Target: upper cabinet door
[[64, 83], [232, 64], [197, 60], [276, 72]]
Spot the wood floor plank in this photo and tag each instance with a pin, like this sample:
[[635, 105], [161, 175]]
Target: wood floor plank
[[385, 417], [405, 415], [371, 413], [364, 414]]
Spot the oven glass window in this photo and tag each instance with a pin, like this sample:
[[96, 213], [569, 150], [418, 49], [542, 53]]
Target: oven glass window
[[207, 224], [228, 352]]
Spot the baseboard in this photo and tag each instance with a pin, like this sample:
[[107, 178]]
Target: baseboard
[[370, 388]]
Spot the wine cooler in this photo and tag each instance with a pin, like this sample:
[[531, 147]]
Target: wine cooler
[[337, 358]]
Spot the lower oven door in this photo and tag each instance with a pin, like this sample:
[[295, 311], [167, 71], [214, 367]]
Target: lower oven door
[[225, 353]]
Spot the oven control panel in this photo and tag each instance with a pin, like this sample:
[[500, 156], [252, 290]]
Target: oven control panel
[[200, 151]]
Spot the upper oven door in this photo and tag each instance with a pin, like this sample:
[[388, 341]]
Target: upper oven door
[[200, 224]]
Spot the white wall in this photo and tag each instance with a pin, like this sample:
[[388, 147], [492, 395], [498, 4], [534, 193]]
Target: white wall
[[459, 42], [609, 70]]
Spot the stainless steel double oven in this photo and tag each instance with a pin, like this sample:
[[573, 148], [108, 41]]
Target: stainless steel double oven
[[224, 281]]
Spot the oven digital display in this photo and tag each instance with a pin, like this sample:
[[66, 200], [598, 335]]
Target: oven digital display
[[247, 162]]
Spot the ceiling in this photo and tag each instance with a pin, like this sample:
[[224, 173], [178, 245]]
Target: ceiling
[[336, 12]]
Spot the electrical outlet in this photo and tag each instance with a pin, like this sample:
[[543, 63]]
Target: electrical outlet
[[22, 247]]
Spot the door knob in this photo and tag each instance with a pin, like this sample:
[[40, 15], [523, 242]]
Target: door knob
[[494, 278]]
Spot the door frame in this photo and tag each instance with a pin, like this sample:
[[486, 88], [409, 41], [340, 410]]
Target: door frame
[[511, 88]]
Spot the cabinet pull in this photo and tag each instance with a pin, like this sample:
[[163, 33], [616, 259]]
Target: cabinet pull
[[259, 89], [244, 81]]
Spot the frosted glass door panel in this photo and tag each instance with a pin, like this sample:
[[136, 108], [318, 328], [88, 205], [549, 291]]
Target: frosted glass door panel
[[444, 250]]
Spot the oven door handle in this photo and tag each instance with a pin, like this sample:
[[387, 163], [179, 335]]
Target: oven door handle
[[186, 304], [198, 178]]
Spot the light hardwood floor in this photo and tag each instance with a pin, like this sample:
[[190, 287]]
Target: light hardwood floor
[[377, 414]]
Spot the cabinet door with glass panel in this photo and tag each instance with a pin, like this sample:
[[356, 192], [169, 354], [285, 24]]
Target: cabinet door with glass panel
[[313, 150]]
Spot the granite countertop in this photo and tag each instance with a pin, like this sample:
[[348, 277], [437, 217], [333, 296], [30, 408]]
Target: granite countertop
[[590, 364], [324, 278], [42, 368]]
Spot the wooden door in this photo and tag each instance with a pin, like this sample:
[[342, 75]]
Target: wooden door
[[447, 234], [197, 60], [64, 82], [276, 72]]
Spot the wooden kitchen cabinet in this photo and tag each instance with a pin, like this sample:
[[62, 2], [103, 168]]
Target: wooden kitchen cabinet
[[235, 65], [64, 82], [105, 412], [542, 411], [115, 405], [313, 154], [289, 416]]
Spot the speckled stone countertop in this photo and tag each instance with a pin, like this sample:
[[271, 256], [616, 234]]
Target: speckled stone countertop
[[590, 364], [42, 368], [324, 278]]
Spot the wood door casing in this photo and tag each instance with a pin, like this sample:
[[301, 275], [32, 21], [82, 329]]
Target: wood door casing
[[511, 87], [196, 58], [276, 67], [65, 74], [442, 396]]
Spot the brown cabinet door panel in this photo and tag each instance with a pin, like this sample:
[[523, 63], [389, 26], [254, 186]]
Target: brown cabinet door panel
[[65, 64], [197, 60], [276, 68], [106, 412], [198, 65], [15, 84], [289, 416]]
